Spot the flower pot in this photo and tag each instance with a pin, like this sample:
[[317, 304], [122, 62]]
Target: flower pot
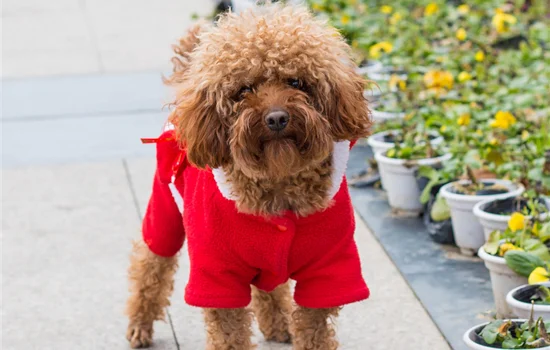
[[369, 67], [439, 231], [386, 73], [398, 178], [468, 231], [503, 280], [380, 116], [373, 96], [517, 300], [474, 341], [379, 144], [487, 212]]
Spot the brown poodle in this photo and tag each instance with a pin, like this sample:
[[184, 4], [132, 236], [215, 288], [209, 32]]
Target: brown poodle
[[263, 100]]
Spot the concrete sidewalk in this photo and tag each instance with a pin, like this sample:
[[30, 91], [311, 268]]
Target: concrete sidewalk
[[67, 232]]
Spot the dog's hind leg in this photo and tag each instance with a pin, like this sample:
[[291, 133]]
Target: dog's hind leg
[[228, 329], [151, 284], [313, 329], [273, 311]]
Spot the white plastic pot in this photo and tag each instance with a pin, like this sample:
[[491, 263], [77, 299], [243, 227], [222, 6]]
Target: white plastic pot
[[503, 280], [491, 222], [399, 180], [377, 143], [522, 309], [380, 116], [470, 336], [385, 74], [370, 67], [469, 236]]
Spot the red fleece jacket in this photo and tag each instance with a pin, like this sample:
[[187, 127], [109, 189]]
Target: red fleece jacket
[[229, 250]]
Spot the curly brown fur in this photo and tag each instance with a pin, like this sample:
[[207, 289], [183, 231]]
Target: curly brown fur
[[275, 58], [228, 329], [182, 50], [272, 310], [151, 284], [313, 329]]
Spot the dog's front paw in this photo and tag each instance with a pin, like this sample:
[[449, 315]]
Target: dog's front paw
[[139, 336]]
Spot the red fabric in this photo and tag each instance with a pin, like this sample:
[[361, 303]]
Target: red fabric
[[229, 250]]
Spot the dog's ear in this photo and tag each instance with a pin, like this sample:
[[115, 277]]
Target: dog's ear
[[346, 106], [200, 130]]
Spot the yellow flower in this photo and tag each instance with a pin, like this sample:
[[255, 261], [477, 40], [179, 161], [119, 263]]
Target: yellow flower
[[480, 56], [516, 222], [464, 76], [317, 7], [503, 120], [345, 19], [479, 132], [538, 275], [438, 79], [386, 9], [507, 247], [396, 17], [395, 82], [464, 119], [431, 9], [493, 141], [502, 21], [461, 34], [443, 128], [376, 50], [463, 9], [524, 135]]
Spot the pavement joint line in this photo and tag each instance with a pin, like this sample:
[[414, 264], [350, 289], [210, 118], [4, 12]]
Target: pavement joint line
[[140, 217], [95, 41], [47, 117]]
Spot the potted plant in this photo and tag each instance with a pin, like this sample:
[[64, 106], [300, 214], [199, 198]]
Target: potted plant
[[398, 166], [389, 107], [509, 334], [512, 255], [525, 298], [494, 214], [383, 141], [462, 196]]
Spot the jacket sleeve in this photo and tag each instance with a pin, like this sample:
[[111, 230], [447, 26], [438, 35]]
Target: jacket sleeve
[[162, 226]]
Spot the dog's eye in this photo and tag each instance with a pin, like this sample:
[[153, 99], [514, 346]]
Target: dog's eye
[[243, 91], [296, 83]]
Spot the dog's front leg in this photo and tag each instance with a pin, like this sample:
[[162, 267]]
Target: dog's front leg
[[228, 329], [313, 329], [151, 284]]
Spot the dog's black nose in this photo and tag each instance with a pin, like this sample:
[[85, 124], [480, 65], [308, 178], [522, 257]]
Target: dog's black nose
[[277, 120]]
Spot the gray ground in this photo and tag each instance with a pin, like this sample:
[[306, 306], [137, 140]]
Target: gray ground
[[81, 84]]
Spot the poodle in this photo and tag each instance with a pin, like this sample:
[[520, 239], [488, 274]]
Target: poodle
[[250, 173]]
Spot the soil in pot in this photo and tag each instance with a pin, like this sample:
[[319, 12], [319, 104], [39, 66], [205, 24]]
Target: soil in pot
[[485, 188], [392, 138], [509, 206], [537, 293]]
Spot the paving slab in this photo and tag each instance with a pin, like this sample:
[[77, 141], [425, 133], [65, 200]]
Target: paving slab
[[66, 238], [85, 139], [392, 318]]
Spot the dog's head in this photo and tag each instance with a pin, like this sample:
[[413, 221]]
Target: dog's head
[[269, 92]]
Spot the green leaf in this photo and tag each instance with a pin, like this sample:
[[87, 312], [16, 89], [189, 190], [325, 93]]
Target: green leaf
[[537, 248], [440, 209], [512, 343], [522, 263], [491, 247], [489, 333]]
